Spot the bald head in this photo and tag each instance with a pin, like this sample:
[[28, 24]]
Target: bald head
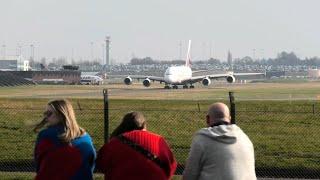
[[218, 112]]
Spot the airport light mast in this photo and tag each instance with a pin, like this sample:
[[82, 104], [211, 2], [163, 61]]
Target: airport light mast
[[31, 52], [107, 52], [4, 51]]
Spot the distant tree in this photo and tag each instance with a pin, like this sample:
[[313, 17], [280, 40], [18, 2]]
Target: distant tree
[[73, 62], [247, 60], [214, 61], [61, 61], [146, 60], [315, 61], [43, 61], [285, 58], [200, 62]]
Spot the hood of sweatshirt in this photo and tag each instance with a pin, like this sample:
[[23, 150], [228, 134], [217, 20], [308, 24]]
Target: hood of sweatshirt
[[224, 133]]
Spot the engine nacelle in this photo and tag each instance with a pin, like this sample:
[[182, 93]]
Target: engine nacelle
[[146, 82], [206, 81], [127, 80], [231, 79]]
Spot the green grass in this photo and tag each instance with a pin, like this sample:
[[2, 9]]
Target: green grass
[[284, 133], [243, 92], [284, 130]]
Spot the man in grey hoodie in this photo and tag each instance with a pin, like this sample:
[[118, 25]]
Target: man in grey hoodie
[[220, 151]]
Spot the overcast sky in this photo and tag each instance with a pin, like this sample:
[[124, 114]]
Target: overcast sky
[[155, 28]]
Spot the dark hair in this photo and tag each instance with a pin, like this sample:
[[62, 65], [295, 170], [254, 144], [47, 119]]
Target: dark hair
[[131, 121]]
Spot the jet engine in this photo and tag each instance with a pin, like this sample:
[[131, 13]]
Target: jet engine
[[127, 80], [146, 82], [206, 81], [231, 79]]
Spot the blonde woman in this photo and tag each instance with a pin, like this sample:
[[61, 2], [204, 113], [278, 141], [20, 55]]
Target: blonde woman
[[63, 149]]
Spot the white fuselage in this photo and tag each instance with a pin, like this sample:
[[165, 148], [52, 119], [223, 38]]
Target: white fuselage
[[177, 74]]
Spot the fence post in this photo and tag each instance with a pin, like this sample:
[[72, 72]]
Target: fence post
[[106, 115], [313, 108], [232, 108]]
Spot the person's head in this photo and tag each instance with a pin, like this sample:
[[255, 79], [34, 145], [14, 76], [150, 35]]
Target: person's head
[[60, 112], [131, 121], [218, 113]]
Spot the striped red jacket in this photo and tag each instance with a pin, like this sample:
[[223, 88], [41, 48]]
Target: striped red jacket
[[120, 161]]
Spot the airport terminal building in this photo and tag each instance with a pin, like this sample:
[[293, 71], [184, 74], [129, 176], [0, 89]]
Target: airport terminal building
[[14, 63], [17, 69]]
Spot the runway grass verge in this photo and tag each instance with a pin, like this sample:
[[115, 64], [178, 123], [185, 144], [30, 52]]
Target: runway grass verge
[[244, 92]]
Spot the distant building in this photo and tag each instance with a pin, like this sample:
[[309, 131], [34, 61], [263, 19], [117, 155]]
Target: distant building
[[50, 77], [314, 73], [14, 63]]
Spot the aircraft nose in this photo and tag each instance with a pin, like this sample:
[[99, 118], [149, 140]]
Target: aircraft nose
[[170, 78]]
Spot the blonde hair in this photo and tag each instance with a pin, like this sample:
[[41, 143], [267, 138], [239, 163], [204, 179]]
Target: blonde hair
[[64, 110]]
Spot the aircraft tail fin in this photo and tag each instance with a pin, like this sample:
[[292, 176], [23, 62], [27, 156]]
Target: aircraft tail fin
[[188, 60]]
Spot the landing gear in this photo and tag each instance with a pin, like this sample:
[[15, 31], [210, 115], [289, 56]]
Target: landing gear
[[167, 87], [191, 86], [185, 86], [175, 87]]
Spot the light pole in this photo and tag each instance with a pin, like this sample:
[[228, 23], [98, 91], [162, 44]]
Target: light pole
[[103, 53], [254, 54], [203, 50], [91, 46], [31, 52], [180, 50], [262, 53], [210, 50], [4, 51], [107, 51]]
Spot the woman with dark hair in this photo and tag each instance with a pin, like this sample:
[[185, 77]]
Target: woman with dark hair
[[131, 121], [135, 153], [63, 149]]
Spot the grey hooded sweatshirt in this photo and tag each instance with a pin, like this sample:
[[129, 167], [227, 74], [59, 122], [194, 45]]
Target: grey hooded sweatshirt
[[221, 153]]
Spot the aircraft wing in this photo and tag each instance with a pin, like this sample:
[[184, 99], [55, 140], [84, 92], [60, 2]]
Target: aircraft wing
[[210, 76], [217, 76], [152, 78], [248, 74]]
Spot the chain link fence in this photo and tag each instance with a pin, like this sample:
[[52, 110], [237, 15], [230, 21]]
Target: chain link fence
[[285, 134]]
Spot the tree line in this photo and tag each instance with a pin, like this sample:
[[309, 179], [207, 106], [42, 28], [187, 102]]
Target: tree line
[[283, 58]]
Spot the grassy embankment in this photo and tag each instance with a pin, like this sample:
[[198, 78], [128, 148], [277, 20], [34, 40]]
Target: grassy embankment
[[285, 134]]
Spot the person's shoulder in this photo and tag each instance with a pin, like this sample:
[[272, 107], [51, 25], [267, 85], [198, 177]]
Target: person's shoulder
[[142, 134], [200, 132], [49, 132], [145, 133], [153, 134], [84, 138]]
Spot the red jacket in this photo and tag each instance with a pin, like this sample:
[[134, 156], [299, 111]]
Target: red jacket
[[120, 161]]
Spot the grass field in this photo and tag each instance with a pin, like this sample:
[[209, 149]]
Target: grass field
[[284, 132], [250, 91]]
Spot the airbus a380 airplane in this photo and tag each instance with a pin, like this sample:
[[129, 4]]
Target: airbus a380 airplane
[[182, 75]]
